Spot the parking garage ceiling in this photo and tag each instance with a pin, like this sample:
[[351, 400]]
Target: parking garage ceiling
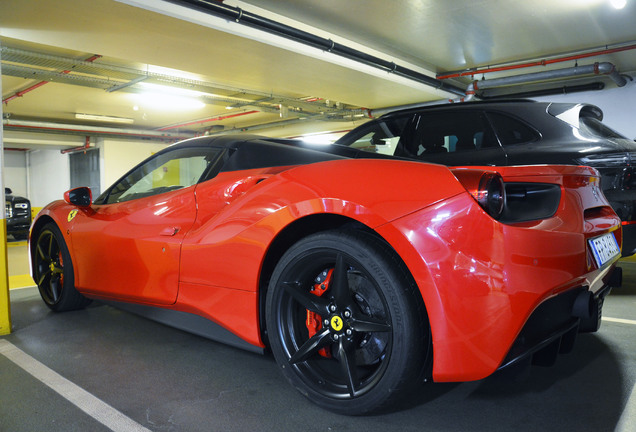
[[112, 60]]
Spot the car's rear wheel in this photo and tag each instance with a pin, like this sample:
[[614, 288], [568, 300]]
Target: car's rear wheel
[[345, 322], [53, 271]]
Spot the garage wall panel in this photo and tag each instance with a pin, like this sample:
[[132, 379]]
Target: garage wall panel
[[49, 176], [120, 156], [15, 172]]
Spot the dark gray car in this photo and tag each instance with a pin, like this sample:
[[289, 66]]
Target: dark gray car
[[18, 215], [515, 132]]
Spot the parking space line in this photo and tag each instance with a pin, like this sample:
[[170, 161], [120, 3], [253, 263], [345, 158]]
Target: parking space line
[[619, 320], [91, 405]]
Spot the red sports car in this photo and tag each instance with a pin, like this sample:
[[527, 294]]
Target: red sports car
[[362, 273]]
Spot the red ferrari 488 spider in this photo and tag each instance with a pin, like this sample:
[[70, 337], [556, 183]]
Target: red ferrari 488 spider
[[363, 274]]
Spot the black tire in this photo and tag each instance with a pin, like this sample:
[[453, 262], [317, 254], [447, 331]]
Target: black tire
[[53, 271], [370, 346]]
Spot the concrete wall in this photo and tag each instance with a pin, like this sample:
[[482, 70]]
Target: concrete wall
[[119, 156], [43, 175], [48, 176], [15, 173]]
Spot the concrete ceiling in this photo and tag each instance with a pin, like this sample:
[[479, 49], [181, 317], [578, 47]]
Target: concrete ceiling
[[100, 56]]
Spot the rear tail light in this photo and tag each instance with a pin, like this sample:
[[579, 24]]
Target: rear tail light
[[487, 187]]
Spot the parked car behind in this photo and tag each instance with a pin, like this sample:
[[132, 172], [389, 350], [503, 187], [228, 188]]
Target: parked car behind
[[18, 215], [513, 132]]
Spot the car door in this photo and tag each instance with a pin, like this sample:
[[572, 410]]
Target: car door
[[128, 244], [453, 137]]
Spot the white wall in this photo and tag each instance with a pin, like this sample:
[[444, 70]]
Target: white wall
[[49, 176], [618, 105], [15, 172], [119, 156]]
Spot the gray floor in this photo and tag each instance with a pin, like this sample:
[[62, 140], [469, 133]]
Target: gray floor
[[167, 380]]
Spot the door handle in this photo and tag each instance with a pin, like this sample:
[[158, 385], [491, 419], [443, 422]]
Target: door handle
[[170, 231]]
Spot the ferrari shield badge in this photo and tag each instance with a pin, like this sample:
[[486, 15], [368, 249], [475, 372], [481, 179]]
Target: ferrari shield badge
[[71, 215], [336, 323]]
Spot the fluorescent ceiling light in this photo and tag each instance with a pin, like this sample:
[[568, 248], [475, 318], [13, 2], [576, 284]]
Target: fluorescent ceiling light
[[103, 118], [168, 98], [162, 89], [618, 4], [167, 102]]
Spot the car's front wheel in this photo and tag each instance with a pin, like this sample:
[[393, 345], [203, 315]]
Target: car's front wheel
[[53, 271], [345, 322]]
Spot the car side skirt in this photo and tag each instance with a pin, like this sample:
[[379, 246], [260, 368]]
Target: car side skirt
[[188, 322]]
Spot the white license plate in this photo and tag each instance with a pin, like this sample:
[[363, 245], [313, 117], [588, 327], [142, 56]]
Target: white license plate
[[604, 248]]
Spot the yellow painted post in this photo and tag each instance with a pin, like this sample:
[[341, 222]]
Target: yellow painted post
[[5, 309]]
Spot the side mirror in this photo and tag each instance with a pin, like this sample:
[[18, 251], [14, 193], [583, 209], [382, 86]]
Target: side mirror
[[7, 191], [81, 196]]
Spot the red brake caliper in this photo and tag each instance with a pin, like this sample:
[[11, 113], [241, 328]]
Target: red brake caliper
[[314, 321], [61, 265]]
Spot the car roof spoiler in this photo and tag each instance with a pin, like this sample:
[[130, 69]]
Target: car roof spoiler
[[571, 113]]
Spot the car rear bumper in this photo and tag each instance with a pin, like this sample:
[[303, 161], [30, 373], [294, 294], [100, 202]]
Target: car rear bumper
[[552, 328], [18, 225]]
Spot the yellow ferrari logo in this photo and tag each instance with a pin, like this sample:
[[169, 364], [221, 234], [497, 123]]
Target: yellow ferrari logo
[[71, 215], [336, 323]]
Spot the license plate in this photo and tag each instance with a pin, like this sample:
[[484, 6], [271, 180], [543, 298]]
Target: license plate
[[604, 248]]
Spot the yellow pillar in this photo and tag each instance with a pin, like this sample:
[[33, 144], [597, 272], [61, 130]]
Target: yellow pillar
[[5, 310], [5, 307]]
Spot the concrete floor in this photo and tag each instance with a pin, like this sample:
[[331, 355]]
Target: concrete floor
[[162, 379]]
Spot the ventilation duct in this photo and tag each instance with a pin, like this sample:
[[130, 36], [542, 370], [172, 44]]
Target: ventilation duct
[[604, 68]]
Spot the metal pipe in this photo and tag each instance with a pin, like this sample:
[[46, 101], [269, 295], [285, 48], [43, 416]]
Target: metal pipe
[[41, 83], [547, 92], [86, 146], [216, 118], [264, 24], [597, 69], [543, 62], [72, 129], [281, 123]]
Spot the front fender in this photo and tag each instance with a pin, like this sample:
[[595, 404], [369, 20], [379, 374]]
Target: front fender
[[63, 215]]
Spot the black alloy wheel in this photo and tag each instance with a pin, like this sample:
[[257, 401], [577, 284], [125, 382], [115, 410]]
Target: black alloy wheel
[[345, 322], [53, 271]]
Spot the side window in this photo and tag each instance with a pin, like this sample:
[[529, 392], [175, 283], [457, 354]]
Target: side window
[[164, 172], [382, 136], [449, 131], [512, 131]]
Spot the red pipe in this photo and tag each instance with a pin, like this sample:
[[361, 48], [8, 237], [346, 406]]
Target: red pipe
[[217, 118], [41, 83], [86, 146], [536, 63]]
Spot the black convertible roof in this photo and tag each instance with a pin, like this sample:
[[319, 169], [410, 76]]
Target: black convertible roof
[[252, 151]]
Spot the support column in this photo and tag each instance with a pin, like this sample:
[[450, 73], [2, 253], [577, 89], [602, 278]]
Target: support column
[[5, 307]]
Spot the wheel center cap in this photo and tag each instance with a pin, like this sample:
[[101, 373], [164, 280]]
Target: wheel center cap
[[52, 266], [336, 323]]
